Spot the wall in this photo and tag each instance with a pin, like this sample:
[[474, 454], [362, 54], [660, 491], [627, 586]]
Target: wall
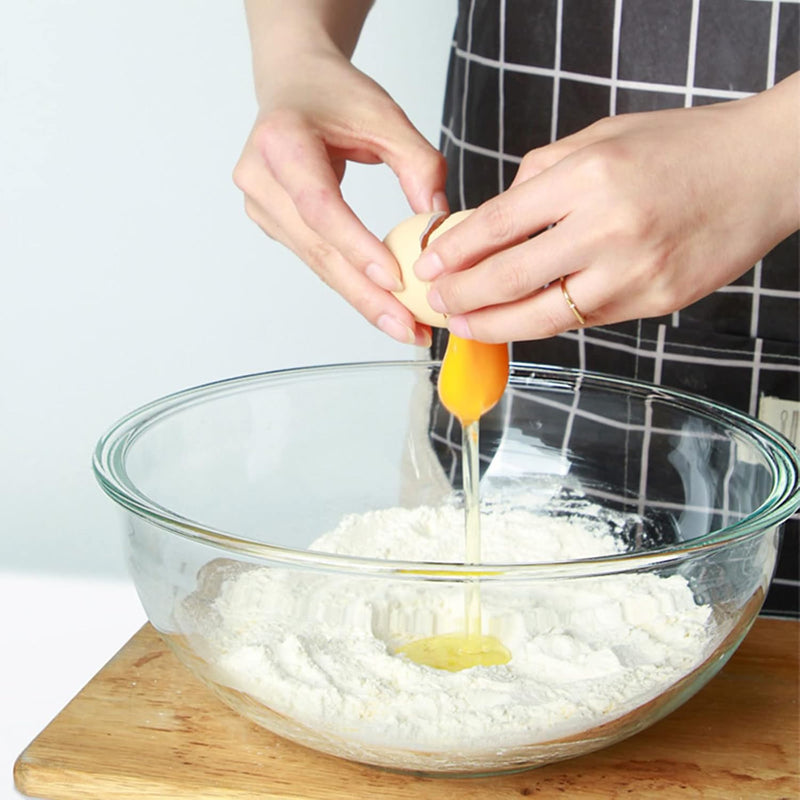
[[127, 266]]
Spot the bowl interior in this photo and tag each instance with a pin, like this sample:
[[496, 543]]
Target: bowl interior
[[278, 459]]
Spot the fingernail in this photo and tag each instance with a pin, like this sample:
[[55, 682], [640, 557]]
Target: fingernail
[[428, 267], [382, 277], [396, 329], [439, 202], [424, 339], [460, 327], [435, 301]]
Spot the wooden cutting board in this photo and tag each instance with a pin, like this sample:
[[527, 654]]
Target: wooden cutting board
[[145, 728]]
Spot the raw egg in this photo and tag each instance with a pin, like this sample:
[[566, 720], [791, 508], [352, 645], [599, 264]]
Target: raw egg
[[457, 651], [473, 377], [472, 380]]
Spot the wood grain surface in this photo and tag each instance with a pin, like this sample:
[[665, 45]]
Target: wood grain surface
[[145, 728]]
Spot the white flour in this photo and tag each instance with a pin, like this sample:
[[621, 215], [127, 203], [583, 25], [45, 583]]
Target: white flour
[[319, 647]]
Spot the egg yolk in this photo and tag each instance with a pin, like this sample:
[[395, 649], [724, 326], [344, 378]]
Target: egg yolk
[[473, 377]]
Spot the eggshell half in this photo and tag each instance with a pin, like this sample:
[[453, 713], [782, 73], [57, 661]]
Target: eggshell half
[[404, 243]]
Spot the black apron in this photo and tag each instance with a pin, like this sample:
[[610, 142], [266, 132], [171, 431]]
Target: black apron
[[525, 72]]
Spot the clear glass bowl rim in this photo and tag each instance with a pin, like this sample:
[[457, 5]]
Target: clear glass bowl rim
[[108, 464]]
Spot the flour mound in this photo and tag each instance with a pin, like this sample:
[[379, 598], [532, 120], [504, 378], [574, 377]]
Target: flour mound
[[319, 647]]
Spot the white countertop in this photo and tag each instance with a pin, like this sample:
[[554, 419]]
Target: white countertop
[[58, 632]]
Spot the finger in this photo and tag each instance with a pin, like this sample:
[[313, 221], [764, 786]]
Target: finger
[[546, 313], [504, 221], [299, 161], [511, 274], [379, 307], [540, 316], [284, 224], [419, 167]]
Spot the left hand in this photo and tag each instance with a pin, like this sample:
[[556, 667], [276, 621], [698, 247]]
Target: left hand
[[645, 213]]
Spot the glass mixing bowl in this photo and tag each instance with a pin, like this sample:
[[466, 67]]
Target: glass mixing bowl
[[645, 528]]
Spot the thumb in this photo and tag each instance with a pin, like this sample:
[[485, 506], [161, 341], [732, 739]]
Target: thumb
[[421, 170]]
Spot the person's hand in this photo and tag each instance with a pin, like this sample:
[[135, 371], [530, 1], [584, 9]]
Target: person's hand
[[644, 214], [316, 113]]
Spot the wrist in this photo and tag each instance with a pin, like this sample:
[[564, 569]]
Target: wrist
[[286, 35], [279, 29], [774, 122], [283, 53]]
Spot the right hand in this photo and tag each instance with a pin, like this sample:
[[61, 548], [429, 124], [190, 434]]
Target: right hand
[[314, 116]]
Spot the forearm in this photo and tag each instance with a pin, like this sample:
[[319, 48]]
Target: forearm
[[280, 30]]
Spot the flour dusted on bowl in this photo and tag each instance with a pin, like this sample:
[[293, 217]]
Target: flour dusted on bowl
[[436, 534], [319, 647]]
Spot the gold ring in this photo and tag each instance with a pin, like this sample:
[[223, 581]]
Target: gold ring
[[570, 302]]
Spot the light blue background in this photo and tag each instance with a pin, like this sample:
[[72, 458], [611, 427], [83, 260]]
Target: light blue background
[[128, 268]]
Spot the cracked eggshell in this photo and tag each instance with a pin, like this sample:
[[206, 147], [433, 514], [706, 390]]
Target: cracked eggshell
[[404, 243]]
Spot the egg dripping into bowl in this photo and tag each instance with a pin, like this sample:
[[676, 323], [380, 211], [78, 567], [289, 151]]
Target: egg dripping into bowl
[[472, 380]]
